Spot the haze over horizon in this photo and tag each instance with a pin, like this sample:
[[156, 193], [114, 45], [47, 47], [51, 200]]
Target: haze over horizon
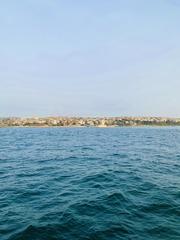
[[90, 58]]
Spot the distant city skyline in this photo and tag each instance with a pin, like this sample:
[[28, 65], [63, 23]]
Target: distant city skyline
[[90, 58]]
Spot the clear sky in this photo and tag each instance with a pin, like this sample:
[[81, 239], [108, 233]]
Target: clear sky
[[90, 57]]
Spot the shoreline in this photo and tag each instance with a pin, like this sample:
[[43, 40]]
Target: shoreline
[[80, 122], [139, 126]]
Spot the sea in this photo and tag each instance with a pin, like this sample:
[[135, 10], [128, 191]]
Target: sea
[[120, 183]]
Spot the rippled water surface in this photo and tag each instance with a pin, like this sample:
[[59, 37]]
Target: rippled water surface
[[89, 183]]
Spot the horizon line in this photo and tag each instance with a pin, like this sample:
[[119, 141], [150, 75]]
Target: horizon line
[[90, 116]]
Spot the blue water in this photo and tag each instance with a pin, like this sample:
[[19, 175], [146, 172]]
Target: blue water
[[89, 183]]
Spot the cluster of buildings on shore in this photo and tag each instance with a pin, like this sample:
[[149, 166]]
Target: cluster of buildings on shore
[[88, 122]]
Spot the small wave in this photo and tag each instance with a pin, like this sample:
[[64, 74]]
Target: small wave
[[163, 231], [89, 208], [98, 177], [162, 208], [87, 148], [120, 155], [71, 230], [116, 197]]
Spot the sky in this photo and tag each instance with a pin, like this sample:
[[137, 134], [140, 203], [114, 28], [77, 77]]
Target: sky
[[90, 58]]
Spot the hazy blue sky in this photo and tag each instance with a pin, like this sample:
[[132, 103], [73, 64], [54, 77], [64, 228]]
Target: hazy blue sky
[[90, 57]]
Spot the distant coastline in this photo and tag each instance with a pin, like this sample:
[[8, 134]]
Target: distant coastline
[[88, 121]]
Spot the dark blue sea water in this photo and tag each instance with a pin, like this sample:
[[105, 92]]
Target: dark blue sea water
[[90, 183]]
